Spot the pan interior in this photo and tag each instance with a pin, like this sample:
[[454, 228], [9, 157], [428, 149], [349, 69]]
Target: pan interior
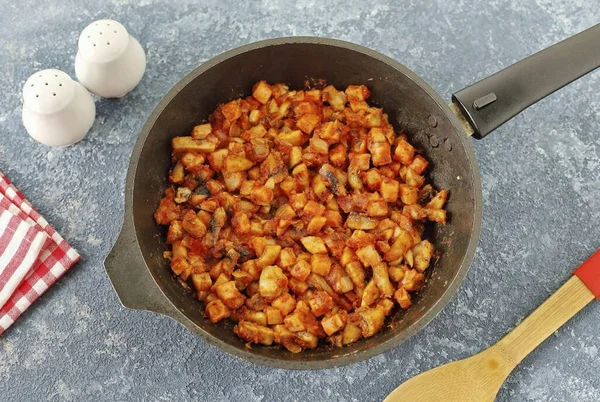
[[411, 107]]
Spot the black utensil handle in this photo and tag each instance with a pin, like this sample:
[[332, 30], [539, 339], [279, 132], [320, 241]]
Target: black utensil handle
[[136, 289], [491, 102]]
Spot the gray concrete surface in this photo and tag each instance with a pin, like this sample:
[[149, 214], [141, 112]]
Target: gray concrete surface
[[540, 184]]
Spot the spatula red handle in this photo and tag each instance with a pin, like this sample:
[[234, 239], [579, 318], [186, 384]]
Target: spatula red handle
[[589, 273]]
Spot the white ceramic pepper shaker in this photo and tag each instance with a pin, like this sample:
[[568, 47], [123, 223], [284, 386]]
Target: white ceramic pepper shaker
[[109, 62], [57, 111]]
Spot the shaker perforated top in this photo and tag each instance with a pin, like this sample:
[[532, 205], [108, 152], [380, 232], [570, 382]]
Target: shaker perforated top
[[48, 91], [103, 41]]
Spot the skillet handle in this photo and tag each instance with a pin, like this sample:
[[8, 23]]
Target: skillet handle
[[493, 101], [130, 278]]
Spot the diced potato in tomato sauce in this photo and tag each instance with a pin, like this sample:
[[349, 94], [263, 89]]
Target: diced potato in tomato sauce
[[299, 215]]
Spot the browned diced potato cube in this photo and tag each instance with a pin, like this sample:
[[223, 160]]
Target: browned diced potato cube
[[260, 243], [348, 256], [320, 303], [314, 245], [320, 264], [313, 95], [404, 152], [254, 333], [240, 223], [294, 137], [256, 302], [269, 255], [316, 224], [413, 280], [360, 239], [374, 118], [254, 116], [274, 316], [319, 146], [179, 265], [307, 122], [377, 208], [301, 270], [193, 225], [401, 245], [272, 282], [298, 287], [284, 303], [396, 273], [202, 281], [233, 181], [177, 174], [231, 110], [382, 280], [337, 155], [357, 106], [262, 196], [422, 253], [332, 323], [337, 99], [217, 311], [389, 190], [257, 131], [319, 186], [357, 93], [379, 147], [286, 338], [287, 258], [334, 219], [370, 320], [306, 340], [294, 322], [175, 231], [313, 208], [183, 144], [351, 334], [408, 195], [419, 164], [360, 161], [300, 173], [438, 201], [192, 160], [298, 201], [358, 221], [237, 163], [369, 294], [295, 156], [303, 108], [386, 305], [179, 249], [242, 279], [403, 298], [436, 215], [331, 131], [262, 92], [413, 179], [368, 255], [201, 131], [372, 179]]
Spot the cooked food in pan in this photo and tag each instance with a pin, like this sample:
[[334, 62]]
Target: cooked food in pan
[[300, 215]]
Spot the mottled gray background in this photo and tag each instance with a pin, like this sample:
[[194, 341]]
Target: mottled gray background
[[540, 185]]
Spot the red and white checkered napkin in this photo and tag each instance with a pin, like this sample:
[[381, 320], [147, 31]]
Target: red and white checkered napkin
[[32, 254]]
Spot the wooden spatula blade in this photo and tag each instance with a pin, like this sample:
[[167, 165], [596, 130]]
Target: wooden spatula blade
[[476, 379]]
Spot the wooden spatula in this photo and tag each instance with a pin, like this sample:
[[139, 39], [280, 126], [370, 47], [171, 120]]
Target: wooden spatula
[[479, 378]]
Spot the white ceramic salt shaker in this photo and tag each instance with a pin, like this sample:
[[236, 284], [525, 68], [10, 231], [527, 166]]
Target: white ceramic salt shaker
[[57, 111], [109, 62]]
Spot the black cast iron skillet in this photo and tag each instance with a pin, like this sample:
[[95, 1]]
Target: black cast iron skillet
[[141, 276]]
